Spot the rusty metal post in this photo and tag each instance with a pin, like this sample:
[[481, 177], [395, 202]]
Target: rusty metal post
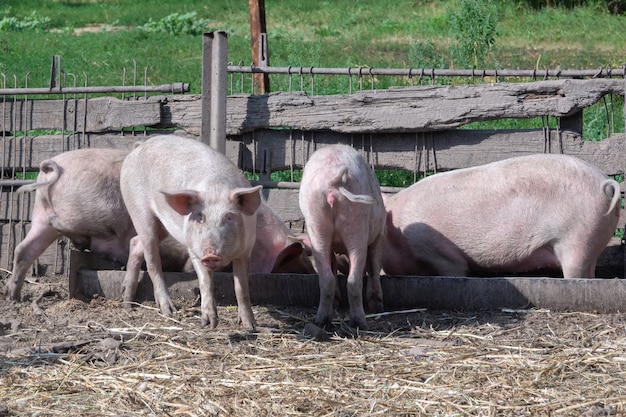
[[214, 81], [260, 52]]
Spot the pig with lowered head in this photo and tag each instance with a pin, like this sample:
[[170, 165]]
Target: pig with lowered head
[[513, 215], [77, 195], [343, 209], [184, 188]]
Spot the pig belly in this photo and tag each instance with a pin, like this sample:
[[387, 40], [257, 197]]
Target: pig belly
[[109, 248], [541, 258]]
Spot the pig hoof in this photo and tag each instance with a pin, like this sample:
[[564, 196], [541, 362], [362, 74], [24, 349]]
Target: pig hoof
[[206, 321], [359, 325], [248, 324], [315, 332], [375, 307]]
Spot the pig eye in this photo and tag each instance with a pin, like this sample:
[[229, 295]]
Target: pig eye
[[228, 218], [199, 218]]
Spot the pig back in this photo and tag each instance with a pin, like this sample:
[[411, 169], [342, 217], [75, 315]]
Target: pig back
[[86, 198], [340, 166], [502, 212], [172, 162]]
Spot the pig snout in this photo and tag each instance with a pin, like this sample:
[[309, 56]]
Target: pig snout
[[211, 260]]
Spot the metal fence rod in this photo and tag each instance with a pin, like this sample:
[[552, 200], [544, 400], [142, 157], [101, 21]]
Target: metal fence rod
[[15, 183], [163, 88], [296, 185], [423, 72]]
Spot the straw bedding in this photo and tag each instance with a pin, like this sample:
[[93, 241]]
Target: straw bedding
[[88, 358]]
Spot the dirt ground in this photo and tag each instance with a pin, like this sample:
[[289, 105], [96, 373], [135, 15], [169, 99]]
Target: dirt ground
[[92, 357]]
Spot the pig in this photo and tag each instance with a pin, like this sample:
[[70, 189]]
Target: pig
[[276, 248], [510, 216], [343, 209], [77, 195], [183, 188]]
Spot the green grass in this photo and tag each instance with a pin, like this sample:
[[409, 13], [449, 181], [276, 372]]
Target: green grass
[[341, 33]]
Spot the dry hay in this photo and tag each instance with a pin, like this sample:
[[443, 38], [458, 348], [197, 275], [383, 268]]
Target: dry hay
[[78, 358]]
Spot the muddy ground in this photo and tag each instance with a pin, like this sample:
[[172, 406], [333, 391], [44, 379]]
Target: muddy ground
[[92, 357]]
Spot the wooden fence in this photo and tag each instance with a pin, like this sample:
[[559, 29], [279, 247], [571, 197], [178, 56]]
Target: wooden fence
[[415, 129]]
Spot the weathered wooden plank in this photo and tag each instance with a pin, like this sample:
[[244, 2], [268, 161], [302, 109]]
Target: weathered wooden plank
[[422, 108], [26, 153], [436, 293], [432, 151], [272, 150], [103, 114]]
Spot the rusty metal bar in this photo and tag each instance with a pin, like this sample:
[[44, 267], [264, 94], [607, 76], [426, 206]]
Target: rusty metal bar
[[411, 72], [175, 88], [296, 185]]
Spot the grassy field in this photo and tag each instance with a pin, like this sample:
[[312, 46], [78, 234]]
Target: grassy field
[[101, 37]]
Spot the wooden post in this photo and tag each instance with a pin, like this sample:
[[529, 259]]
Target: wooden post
[[214, 81], [260, 52]]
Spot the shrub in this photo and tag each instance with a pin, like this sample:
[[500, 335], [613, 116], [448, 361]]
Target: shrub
[[31, 22], [473, 24], [178, 24]]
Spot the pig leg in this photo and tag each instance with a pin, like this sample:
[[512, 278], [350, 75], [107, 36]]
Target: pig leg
[[374, 291], [208, 307], [39, 237], [327, 284], [242, 292], [133, 267], [155, 270], [576, 263], [354, 283], [576, 259]]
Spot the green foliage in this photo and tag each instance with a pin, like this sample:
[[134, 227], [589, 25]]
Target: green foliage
[[32, 22], [600, 120], [613, 6], [178, 24], [396, 178], [473, 23], [425, 54]]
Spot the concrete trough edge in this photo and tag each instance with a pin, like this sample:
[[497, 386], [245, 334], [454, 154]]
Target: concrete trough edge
[[400, 292]]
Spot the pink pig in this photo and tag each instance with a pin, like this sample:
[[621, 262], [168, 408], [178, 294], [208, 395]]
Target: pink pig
[[343, 209], [514, 215], [183, 188], [77, 195]]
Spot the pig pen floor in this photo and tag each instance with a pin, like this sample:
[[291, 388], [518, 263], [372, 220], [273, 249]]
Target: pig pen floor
[[93, 358]]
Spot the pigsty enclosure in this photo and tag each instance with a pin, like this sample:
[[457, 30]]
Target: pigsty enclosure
[[415, 128]]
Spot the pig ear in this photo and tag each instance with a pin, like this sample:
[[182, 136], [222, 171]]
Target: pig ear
[[306, 242], [182, 201], [249, 199], [287, 255]]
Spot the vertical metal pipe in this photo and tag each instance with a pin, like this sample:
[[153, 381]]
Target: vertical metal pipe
[[214, 82]]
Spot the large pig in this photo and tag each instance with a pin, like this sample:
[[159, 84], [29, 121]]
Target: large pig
[[343, 209], [182, 187], [514, 215], [77, 195]]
